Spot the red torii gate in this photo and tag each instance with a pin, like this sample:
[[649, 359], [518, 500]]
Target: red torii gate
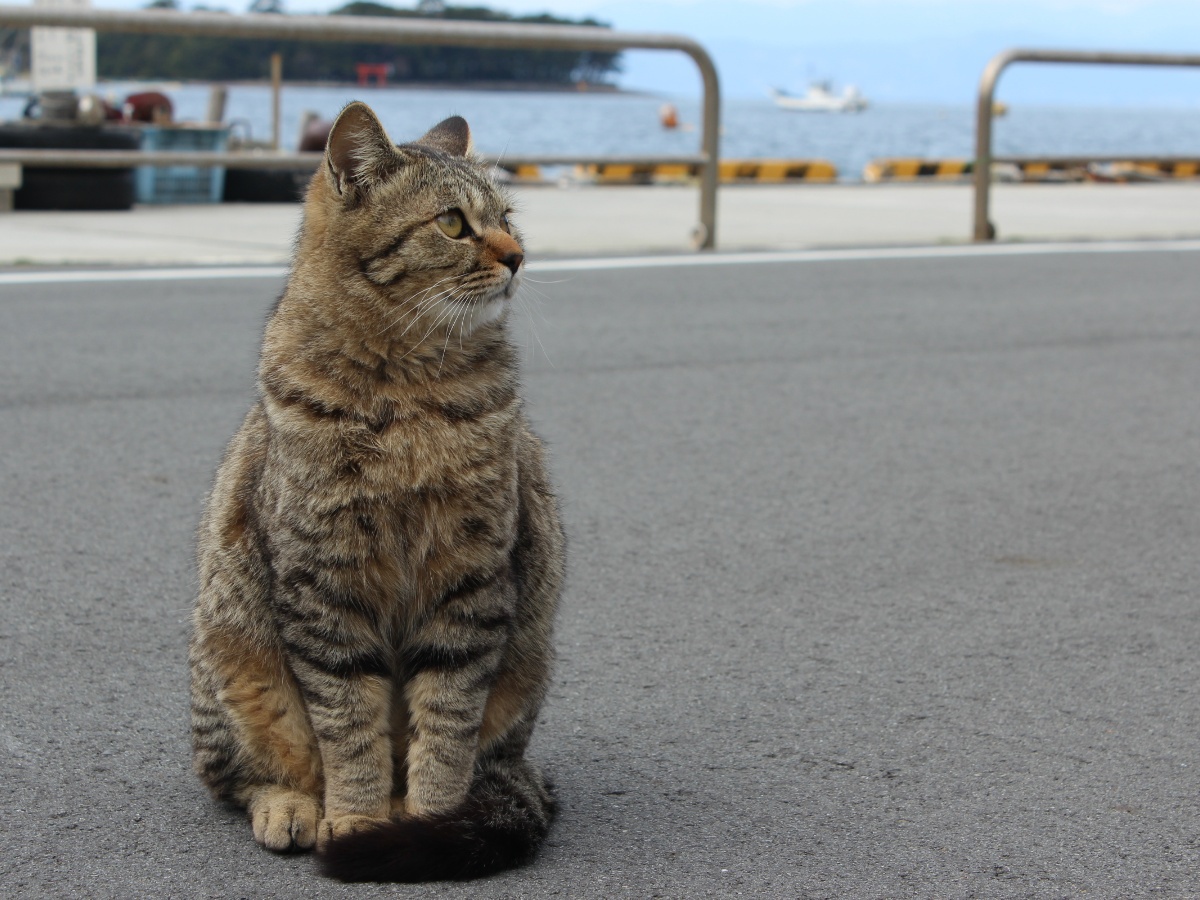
[[377, 71]]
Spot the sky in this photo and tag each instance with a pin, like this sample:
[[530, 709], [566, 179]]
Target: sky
[[894, 51]]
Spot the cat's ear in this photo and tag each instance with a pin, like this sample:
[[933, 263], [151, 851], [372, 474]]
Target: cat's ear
[[359, 153], [452, 136]]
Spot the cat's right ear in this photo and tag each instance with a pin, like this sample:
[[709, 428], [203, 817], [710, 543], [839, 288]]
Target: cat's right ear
[[359, 153]]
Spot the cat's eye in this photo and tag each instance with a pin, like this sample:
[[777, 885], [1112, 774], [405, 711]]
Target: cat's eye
[[504, 223], [453, 224]]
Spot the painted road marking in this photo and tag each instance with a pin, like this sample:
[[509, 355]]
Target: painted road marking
[[965, 251]]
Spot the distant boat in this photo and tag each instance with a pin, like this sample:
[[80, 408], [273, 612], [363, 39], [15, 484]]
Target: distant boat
[[820, 98]]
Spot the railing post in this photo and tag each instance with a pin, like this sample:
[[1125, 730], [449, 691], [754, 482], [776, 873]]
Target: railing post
[[983, 229], [276, 98], [705, 235]]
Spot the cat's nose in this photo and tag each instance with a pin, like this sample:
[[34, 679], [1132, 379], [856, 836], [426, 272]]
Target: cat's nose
[[513, 261]]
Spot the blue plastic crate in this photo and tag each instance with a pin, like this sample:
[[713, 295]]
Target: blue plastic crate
[[182, 184]]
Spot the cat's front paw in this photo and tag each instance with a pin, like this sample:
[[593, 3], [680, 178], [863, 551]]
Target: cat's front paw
[[340, 826], [284, 819]]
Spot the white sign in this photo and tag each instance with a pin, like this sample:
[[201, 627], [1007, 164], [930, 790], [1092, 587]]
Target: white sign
[[64, 59]]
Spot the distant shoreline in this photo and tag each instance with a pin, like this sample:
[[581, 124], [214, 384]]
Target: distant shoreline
[[531, 87], [524, 87]]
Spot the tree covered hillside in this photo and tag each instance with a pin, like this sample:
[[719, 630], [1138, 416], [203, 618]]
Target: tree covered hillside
[[237, 59]]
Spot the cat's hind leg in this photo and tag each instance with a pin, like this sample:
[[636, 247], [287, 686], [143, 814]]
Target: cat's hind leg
[[253, 744]]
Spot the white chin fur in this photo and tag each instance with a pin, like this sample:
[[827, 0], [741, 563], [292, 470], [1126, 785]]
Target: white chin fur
[[485, 312], [492, 309]]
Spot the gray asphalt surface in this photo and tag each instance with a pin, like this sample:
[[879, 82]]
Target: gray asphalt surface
[[884, 582]]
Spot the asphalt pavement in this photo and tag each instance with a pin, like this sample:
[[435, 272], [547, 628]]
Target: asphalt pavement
[[883, 579]]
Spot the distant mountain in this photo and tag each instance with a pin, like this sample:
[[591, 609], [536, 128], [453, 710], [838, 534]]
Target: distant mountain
[[123, 55]]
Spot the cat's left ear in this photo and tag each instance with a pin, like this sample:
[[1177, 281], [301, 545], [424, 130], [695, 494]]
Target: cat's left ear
[[359, 154], [452, 136]]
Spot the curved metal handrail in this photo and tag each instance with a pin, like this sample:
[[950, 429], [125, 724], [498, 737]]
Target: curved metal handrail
[[982, 228], [372, 29]]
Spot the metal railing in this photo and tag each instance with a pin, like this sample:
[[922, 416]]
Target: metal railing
[[983, 229], [378, 30]]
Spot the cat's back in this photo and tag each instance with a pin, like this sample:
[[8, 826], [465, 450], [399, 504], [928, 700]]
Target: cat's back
[[230, 538]]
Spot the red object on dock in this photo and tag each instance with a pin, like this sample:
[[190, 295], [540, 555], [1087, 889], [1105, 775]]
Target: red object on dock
[[149, 106], [368, 71]]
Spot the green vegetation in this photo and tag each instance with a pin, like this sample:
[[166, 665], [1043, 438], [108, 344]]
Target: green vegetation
[[229, 59]]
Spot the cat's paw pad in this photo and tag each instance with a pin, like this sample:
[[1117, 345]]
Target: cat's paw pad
[[341, 826], [285, 820]]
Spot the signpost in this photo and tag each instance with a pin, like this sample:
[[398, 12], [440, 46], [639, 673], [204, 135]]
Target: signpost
[[64, 59]]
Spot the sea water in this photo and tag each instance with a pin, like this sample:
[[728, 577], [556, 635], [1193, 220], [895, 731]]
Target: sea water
[[531, 123]]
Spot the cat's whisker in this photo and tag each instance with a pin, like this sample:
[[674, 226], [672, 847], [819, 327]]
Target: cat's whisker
[[530, 335], [424, 292], [449, 331], [426, 305], [498, 164], [535, 298], [442, 316], [462, 325], [459, 320], [533, 327], [538, 294], [468, 307], [403, 309], [423, 303]]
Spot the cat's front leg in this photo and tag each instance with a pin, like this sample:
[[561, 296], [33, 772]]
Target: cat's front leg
[[350, 717], [452, 663], [346, 682]]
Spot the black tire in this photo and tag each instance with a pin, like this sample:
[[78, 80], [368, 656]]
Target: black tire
[[78, 189], [85, 189], [264, 186], [53, 136]]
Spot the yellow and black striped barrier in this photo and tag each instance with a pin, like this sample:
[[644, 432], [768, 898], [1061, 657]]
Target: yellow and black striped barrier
[[777, 171], [1032, 170], [524, 173], [918, 169], [1145, 170], [787, 171], [636, 173], [1181, 168], [1101, 170], [761, 171]]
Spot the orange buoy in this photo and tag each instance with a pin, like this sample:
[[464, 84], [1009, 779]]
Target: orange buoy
[[669, 116]]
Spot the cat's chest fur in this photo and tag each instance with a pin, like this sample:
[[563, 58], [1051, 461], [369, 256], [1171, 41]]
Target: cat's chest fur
[[392, 488]]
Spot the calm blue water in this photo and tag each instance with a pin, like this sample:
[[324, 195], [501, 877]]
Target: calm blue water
[[622, 124]]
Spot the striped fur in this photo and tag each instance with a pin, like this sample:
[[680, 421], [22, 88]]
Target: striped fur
[[380, 556]]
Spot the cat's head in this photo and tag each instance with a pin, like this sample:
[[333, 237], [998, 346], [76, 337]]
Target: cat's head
[[422, 227]]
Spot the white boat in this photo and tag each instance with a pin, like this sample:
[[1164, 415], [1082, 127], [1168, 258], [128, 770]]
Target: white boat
[[820, 98]]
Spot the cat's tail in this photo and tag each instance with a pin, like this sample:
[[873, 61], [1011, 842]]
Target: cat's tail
[[501, 825]]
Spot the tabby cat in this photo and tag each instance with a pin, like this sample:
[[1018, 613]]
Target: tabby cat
[[380, 557]]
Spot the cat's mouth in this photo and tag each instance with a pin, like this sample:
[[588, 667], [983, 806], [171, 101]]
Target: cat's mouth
[[511, 285], [500, 290]]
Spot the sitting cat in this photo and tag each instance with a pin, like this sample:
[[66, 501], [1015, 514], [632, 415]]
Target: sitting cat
[[380, 557]]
